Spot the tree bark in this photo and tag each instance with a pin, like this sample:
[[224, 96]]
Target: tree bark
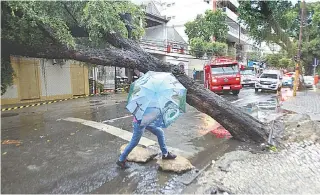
[[128, 54], [241, 125]]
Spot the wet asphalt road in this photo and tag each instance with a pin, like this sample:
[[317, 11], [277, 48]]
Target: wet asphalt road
[[57, 156]]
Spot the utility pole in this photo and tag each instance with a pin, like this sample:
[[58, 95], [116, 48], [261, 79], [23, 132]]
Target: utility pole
[[238, 45], [127, 20], [296, 76]]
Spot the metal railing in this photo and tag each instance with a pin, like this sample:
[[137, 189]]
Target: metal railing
[[235, 33]]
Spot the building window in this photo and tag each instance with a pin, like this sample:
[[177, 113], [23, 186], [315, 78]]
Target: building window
[[169, 5], [169, 18], [173, 17]]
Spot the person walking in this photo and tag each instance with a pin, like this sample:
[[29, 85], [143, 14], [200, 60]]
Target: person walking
[[138, 131], [194, 73], [150, 101]]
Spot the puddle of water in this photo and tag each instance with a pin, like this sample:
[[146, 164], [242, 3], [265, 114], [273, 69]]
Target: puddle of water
[[146, 178]]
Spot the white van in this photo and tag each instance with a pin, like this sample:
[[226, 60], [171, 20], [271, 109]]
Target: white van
[[269, 80]]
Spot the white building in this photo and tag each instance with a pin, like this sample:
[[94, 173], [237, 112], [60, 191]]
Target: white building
[[172, 32], [161, 40], [179, 12]]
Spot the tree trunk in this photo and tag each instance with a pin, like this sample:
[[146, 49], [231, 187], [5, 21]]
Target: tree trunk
[[241, 125]]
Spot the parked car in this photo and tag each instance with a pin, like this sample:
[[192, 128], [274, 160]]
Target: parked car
[[287, 81], [269, 80], [308, 81], [248, 77]]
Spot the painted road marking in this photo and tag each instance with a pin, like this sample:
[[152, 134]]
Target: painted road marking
[[126, 135], [236, 101], [112, 120]]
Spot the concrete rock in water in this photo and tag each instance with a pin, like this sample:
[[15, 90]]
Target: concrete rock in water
[[178, 165], [140, 154]]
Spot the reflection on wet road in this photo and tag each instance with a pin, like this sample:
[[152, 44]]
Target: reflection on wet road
[[265, 106], [59, 156]]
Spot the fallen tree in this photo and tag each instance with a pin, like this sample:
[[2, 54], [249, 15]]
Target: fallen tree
[[121, 52]]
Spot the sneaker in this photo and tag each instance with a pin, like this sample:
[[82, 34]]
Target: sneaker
[[169, 156], [123, 165]]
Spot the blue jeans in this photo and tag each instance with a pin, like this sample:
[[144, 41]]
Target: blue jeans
[[137, 134]]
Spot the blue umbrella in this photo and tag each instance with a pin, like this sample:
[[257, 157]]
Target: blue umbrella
[[157, 98]]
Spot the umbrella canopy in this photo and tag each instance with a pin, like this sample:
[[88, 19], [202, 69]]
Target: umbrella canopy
[[158, 98]]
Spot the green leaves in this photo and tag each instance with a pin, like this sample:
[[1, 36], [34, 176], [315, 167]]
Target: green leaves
[[216, 22], [263, 19], [42, 23], [207, 26], [216, 48], [203, 28], [279, 22], [254, 56], [104, 16], [279, 60], [58, 17], [199, 47], [7, 74]]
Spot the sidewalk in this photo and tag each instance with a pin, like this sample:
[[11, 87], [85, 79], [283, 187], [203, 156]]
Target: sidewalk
[[294, 170], [111, 96], [306, 102]]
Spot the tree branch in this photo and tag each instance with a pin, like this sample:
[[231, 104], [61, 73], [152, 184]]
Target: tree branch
[[241, 125], [67, 9]]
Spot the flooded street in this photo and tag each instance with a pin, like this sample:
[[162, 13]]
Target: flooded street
[[55, 155], [160, 97]]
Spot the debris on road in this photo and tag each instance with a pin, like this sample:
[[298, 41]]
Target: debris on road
[[221, 132], [9, 142], [296, 169], [307, 130], [140, 154], [178, 165]]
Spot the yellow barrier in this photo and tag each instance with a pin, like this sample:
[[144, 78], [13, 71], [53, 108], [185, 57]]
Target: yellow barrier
[[51, 102]]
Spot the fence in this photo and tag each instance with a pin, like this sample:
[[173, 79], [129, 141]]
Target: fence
[[42, 80], [124, 77]]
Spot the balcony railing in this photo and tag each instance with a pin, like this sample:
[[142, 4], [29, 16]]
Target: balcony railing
[[235, 33], [230, 14], [235, 3], [163, 46]]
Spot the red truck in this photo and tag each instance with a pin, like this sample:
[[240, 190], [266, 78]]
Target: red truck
[[223, 75]]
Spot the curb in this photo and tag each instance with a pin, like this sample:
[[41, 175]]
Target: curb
[[51, 102]]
